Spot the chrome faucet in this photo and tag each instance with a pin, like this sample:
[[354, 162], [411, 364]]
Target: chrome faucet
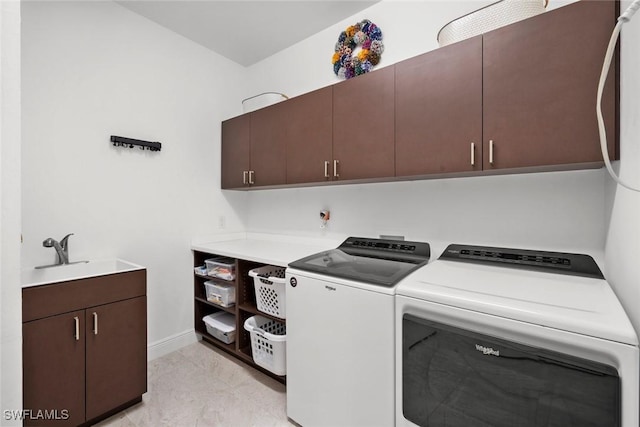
[[61, 247]]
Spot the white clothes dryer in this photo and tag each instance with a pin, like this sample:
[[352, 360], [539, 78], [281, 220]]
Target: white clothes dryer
[[501, 337]]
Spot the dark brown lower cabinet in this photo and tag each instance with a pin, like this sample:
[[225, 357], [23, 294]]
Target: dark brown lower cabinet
[[53, 369], [116, 363], [84, 365]]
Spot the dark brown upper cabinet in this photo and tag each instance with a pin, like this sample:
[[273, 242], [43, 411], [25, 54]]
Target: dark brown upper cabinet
[[519, 98], [308, 136], [540, 79], [341, 132], [268, 164], [254, 148], [363, 126], [236, 134], [438, 108]]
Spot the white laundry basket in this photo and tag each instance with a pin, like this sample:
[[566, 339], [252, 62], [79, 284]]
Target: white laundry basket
[[262, 100], [489, 18], [269, 284], [268, 343]]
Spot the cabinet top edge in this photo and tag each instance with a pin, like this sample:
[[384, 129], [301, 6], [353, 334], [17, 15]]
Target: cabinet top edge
[[71, 272]]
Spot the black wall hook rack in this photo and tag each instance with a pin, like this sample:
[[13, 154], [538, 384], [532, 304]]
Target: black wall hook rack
[[120, 141]]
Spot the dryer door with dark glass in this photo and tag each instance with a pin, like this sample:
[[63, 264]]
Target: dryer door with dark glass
[[457, 378]]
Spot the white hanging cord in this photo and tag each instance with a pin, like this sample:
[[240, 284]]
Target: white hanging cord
[[633, 8], [625, 17]]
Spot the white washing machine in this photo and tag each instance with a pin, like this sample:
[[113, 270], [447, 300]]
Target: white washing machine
[[340, 332], [503, 337]]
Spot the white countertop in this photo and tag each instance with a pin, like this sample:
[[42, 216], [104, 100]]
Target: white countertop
[[75, 271], [281, 249], [272, 249]]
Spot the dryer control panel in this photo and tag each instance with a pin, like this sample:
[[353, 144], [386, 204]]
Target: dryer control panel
[[554, 262]]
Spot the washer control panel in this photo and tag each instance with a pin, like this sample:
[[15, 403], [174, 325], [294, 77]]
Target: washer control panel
[[556, 262]]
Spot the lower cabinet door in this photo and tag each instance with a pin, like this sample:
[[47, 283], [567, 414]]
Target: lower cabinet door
[[116, 355], [53, 370]]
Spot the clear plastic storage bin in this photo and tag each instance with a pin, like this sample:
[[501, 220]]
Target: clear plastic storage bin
[[222, 326], [223, 294], [269, 284], [268, 343], [222, 268], [200, 270]]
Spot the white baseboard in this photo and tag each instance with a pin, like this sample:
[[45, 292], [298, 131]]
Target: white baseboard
[[171, 344]]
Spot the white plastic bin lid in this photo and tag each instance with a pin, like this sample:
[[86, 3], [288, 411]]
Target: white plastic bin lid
[[225, 322], [219, 285]]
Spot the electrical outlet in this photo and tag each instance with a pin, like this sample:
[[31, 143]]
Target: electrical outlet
[[222, 222]]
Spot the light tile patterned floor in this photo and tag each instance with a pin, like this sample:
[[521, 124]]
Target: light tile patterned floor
[[200, 385]]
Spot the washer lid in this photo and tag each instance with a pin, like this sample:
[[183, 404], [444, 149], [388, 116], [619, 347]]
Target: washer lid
[[575, 304], [375, 261]]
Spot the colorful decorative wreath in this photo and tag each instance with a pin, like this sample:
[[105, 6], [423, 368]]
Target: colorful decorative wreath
[[368, 36]]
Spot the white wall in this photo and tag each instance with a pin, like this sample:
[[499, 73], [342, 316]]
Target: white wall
[[10, 306], [548, 210], [409, 28], [95, 69], [562, 210], [623, 238]]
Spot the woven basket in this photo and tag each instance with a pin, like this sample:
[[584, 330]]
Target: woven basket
[[489, 18]]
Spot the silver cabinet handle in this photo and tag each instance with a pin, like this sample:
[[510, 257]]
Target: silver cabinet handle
[[326, 169], [335, 168], [251, 177], [473, 154], [77, 334], [95, 323], [491, 151], [244, 177]]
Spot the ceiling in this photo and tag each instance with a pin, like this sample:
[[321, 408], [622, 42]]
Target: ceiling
[[246, 31]]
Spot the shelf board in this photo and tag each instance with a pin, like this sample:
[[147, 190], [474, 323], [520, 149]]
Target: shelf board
[[230, 348], [214, 279], [245, 353], [231, 309], [251, 308]]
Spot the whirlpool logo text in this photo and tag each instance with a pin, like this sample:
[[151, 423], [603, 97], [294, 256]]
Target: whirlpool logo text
[[488, 350]]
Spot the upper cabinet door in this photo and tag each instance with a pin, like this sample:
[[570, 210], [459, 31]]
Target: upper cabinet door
[[363, 126], [540, 83], [235, 151], [439, 110], [268, 164], [309, 137]]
